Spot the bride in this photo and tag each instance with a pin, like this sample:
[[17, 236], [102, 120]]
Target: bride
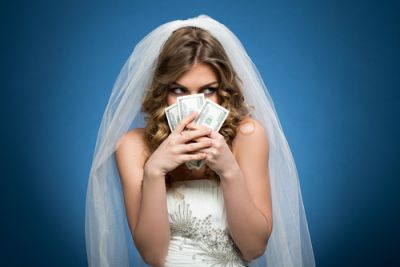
[[242, 208]]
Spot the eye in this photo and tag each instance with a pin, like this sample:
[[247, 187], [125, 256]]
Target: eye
[[176, 90], [209, 90]]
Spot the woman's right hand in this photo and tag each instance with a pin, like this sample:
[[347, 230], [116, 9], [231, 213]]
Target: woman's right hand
[[177, 149]]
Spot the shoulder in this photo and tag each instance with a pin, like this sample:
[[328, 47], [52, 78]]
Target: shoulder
[[132, 144], [250, 134], [131, 137], [250, 129]]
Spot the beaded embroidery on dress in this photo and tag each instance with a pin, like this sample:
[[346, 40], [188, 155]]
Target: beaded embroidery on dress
[[199, 232]]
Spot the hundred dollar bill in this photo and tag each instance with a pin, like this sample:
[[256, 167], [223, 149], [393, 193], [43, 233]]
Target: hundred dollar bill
[[213, 116], [172, 114]]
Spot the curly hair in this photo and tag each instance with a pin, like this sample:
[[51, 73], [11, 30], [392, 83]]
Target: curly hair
[[186, 47]]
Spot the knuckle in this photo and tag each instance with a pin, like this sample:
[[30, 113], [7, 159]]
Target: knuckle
[[174, 150], [193, 134], [186, 134], [179, 160], [205, 143]]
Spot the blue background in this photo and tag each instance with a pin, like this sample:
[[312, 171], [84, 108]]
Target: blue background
[[331, 68]]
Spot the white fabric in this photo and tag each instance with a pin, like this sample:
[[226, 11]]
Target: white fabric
[[108, 240], [200, 203]]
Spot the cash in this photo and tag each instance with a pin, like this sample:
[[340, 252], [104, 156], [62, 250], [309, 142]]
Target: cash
[[209, 114], [172, 116], [213, 116], [189, 103]]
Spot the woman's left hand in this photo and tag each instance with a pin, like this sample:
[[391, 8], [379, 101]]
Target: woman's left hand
[[219, 157]]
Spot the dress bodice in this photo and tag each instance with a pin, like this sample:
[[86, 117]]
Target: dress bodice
[[199, 232]]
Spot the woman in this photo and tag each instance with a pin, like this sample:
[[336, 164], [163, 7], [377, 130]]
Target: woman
[[243, 206]]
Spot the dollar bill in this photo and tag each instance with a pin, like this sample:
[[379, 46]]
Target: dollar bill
[[183, 107], [213, 116], [209, 114], [172, 114], [189, 103]]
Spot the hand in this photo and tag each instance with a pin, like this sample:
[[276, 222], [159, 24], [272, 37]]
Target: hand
[[219, 156], [175, 149]]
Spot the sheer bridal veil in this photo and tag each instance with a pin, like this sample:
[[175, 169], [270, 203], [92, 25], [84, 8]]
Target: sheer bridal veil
[[108, 240]]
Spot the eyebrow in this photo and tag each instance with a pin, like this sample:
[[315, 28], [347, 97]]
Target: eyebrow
[[204, 86]]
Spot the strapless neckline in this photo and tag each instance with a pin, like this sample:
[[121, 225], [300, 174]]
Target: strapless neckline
[[196, 181]]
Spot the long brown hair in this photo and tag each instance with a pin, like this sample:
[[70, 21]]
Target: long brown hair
[[186, 47]]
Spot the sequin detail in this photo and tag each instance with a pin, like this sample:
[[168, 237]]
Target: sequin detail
[[216, 244], [178, 195]]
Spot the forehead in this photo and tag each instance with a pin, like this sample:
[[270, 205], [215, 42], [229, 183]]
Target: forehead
[[199, 75]]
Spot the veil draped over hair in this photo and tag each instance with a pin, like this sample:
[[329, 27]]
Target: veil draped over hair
[[108, 239]]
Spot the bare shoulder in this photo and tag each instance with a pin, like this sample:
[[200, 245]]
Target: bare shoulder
[[250, 129], [250, 134], [132, 147]]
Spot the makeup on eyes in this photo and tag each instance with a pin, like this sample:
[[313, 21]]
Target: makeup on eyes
[[176, 86], [174, 89]]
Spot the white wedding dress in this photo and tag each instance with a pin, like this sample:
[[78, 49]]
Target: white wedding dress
[[199, 232]]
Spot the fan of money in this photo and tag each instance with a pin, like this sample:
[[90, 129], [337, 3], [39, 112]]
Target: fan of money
[[209, 114]]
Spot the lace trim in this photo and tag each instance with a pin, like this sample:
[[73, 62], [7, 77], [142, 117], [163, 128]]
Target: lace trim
[[215, 243]]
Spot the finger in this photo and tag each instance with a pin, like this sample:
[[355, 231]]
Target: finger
[[212, 152], [203, 139], [189, 118], [195, 146], [196, 156], [195, 126], [215, 135], [190, 135], [204, 150]]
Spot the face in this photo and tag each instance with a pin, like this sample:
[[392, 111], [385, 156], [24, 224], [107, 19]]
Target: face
[[201, 78]]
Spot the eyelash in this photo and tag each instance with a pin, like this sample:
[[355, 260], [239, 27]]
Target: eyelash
[[172, 90]]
